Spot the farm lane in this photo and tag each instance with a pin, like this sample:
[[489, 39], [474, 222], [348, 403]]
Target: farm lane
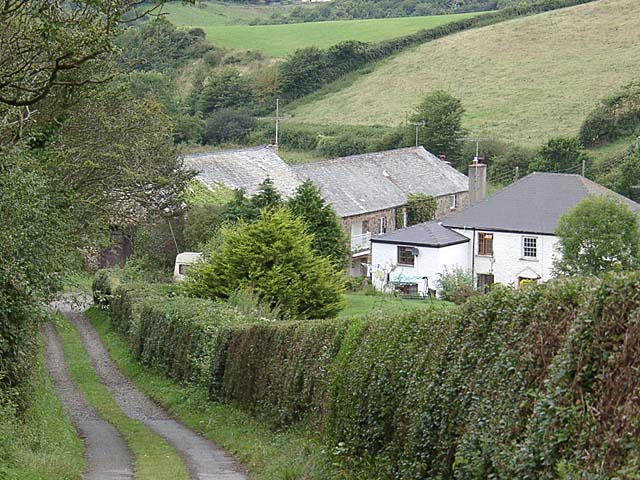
[[204, 460], [105, 450]]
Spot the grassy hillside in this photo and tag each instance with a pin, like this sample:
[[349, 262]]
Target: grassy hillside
[[217, 13], [281, 40], [524, 80]]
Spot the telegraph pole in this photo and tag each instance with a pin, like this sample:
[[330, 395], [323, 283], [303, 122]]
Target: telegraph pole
[[277, 119], [474, 139], [419, 124]]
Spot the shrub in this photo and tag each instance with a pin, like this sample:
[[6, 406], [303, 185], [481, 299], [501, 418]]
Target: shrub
[[456, 285], [227, 126], [420, 208], [272, 256]]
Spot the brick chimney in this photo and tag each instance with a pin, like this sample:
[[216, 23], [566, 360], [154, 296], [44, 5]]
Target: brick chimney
[[477, 181]]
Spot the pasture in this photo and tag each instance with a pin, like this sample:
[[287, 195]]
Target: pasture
[[282, 40], [524, 80]]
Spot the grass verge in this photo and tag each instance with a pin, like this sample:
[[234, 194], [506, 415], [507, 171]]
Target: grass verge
[[42, 444], [155, 459], [268, 455]]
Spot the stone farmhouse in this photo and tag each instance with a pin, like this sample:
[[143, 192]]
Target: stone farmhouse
[[507, 238], [369, 191]]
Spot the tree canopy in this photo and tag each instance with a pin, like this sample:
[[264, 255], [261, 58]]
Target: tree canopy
[[329, 238], [442, 116], [598, 235], [272, 256]]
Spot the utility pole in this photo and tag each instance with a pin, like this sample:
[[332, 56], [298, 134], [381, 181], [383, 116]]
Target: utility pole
[[474, 139], [419, 124], [277, 118]]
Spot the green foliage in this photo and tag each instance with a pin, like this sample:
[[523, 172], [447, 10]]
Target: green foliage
[[559, 154], [624, 176], [201, 223], [456, 285], [267, 198], [329, 237], [157, 45], [599, 234], [420, 208], [227, 126], [342, 145], [272, 256], [442, 114], [500, 387], [615, 117], [37, 249], [225, 89]]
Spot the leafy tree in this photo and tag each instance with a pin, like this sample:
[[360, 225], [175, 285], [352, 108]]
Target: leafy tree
[[558, 155], [240, 207], [202, 222], [599, 234], [302, 72], [625, 177], [341, 145], [226, 89], [228, 125], [420, 208], [273, 257], [116, 153], [442, 114], [329, 238], [49, 48], [159, 46]]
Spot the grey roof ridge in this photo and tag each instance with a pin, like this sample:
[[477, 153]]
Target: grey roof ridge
[[359, 155], [232, 150], [417, 226]]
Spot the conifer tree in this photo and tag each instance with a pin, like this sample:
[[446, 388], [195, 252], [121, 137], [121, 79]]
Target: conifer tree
[[321, 220]]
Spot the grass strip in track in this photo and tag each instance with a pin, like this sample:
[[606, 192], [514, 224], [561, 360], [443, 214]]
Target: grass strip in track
[[268, 455], [155, 459], [41, 444]]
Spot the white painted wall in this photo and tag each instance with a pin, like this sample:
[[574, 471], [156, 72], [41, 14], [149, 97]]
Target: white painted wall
[[508, 263], [429, 263]]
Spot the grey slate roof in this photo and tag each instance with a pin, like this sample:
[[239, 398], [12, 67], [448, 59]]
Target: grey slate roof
[[428, 234], [533, 204], [381, 180], [246, 168]]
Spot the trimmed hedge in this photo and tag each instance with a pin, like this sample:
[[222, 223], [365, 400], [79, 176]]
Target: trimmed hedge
[[539, 382]]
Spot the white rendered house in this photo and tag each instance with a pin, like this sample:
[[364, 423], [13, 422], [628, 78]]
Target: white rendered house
[[508, 237]]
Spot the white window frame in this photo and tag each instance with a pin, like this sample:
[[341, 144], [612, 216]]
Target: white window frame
[[383, 225], [524, 247], [454, 201]]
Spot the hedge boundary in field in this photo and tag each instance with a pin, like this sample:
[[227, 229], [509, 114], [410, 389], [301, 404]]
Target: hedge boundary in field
[[529, 383]]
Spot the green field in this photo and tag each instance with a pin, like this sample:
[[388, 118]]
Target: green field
[[281, 40], [525, 80], [217, 13]]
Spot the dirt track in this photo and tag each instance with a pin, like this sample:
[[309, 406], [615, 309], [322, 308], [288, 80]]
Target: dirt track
[[204, 460]]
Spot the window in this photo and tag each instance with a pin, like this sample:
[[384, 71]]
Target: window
[[529, 247], [182, 269], [484, 282], [365, 226], [406, 256], [485, 243], [383, 225], [454, 203]]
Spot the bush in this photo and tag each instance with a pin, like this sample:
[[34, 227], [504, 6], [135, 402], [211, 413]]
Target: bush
[[456, 285], [617, 116], [272, 256], [227, 126]]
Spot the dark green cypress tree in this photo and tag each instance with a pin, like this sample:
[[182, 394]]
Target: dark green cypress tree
[[267, 197], [330, 239]]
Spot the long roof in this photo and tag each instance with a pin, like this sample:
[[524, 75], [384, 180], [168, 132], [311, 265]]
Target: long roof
[[428, 234], [246, 168], [533, 204], [377, 181]]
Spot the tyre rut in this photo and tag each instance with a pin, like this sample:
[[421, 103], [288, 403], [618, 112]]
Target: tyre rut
[[204, 460], [106, 452]]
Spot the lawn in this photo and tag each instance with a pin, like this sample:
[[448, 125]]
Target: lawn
[[359, 304], [282, 40], [524, 80]]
